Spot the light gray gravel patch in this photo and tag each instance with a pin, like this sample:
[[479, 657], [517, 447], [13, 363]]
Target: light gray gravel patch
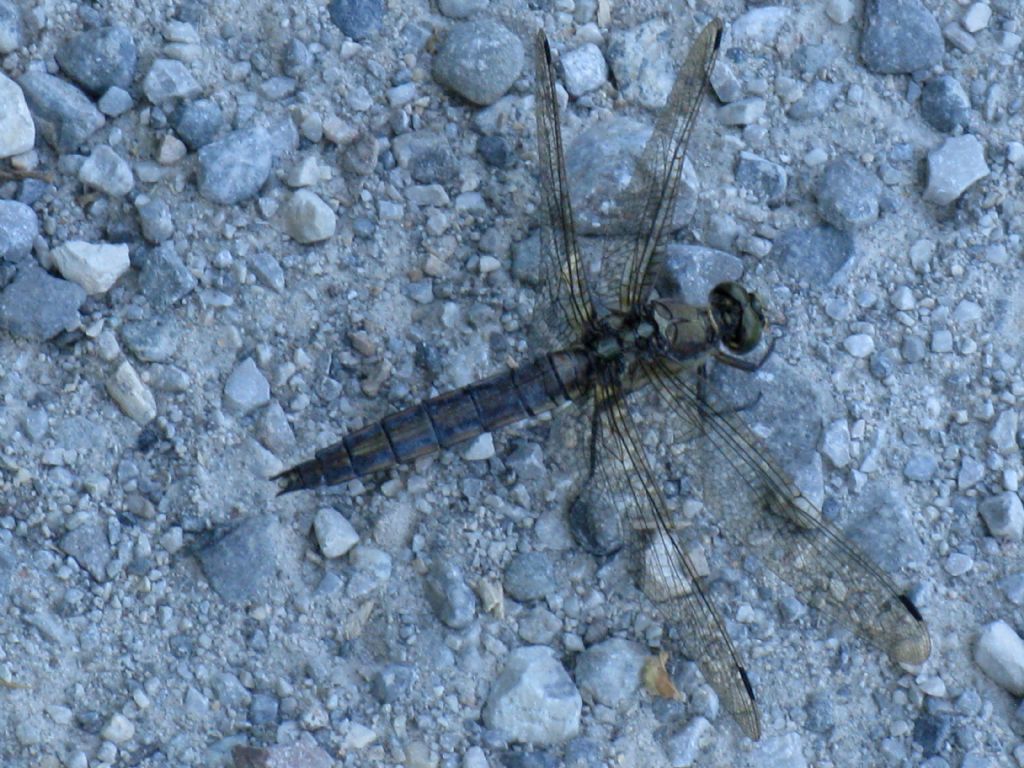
[[164, 607]]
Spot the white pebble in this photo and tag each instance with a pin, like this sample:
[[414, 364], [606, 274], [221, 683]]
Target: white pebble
[[334, 533], [1000, 654], [119, 730], [94, 266], [134, 398]]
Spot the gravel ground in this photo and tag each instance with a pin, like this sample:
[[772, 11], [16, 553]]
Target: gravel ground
[[231, 232]]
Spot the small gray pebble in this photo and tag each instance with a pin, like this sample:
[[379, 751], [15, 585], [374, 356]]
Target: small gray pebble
[[246, 388], [198, 122], [848, 194], [19, 227], [944, 104], [234, 168], [169, 79]]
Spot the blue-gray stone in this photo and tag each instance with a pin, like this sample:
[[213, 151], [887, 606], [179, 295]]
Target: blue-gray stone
[[529, 576], [169, 79], [944, 104], [692, 271], [10, 27], [116, 101], [100, 58], [155, 220], [19, 227], [921, 467], [817, 99], [246, 388], [241, 563], [297, 60], [479, 60], [63, 114], [357, 18], [198, 122], [165, 279], [234, 168], [848, 194], [931, 732], [449, 596], [38, 306], [495, 151], [392, 683], [152, 341], [89, 546], [815, 255], [900, 36], [764, 180], [263, 709]]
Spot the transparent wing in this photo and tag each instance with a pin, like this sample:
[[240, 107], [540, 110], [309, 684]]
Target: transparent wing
[[564, 279], [654, 186], [765, 510], [621, 480]]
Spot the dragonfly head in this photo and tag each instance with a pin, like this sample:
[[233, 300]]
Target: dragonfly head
[[737, 315]]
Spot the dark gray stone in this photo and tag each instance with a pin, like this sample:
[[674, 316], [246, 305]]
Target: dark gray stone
[[198, 122], [63, 114], [234, 168], [297, 60], [848, 194], [495, 151], [100, 58], [165, 279], [155, 220], [931, 732], [764, 180], [241, 563], [451, 599], [900, 36], [38, 306], [169, 79], [392, 683], [152, 341], [357, 18], [944, 104], [19, 227], [479, 60], [529, 576], [815, 255]]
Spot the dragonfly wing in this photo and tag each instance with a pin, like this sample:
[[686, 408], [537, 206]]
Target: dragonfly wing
[[563, 279], [621, 477], [763, 509], [654, 186]]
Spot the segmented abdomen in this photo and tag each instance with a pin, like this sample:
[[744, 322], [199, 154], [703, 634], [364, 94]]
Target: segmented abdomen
[[446, 420]]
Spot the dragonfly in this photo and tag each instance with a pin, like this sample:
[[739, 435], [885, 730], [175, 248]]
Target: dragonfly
[[612, 338]]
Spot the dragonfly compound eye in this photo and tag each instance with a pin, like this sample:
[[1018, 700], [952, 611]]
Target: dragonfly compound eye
[[738, 315]]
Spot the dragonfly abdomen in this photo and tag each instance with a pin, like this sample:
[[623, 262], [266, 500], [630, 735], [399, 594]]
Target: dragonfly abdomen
[[446, 420]]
